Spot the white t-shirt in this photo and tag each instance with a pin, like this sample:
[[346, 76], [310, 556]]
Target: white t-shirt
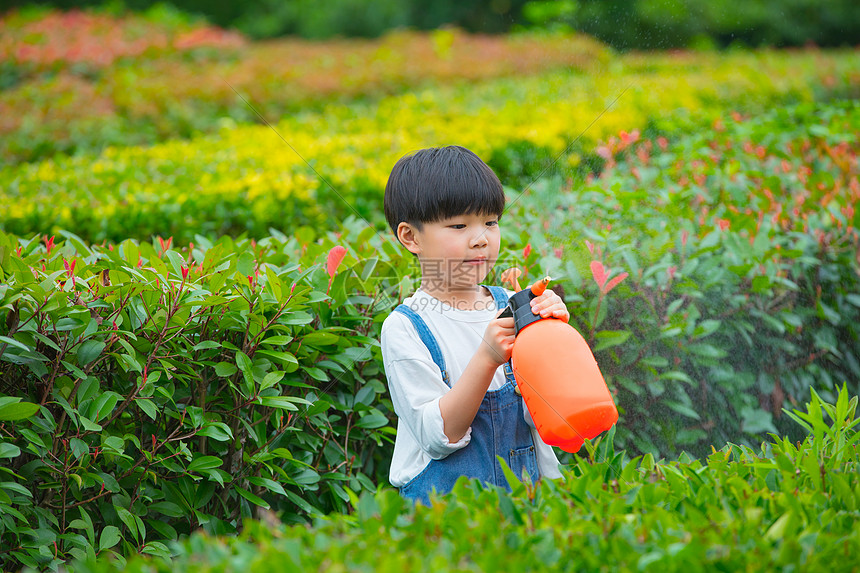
[[416, 385]]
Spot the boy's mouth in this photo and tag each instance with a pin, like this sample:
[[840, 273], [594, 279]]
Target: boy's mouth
[[476, 261]]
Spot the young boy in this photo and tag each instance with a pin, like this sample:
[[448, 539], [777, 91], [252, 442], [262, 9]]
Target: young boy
[[445, 350]]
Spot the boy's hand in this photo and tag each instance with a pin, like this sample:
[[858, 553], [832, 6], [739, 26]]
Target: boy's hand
[[550, 304], [499, 340]]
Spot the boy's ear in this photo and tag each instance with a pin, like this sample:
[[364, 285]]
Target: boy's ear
[[407, 235]]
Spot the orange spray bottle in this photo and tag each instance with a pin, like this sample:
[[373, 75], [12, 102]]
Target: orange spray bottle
[[558, 376]]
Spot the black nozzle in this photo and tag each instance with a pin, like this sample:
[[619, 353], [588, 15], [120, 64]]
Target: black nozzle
[[520, 308]]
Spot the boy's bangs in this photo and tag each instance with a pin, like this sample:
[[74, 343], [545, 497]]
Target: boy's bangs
[[470, 194]]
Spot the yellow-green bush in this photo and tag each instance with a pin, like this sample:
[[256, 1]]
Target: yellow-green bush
[[76, 81], [252, 178]]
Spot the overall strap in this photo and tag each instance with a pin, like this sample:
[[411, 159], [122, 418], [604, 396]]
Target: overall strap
[[499, 295], [501, 298], [427, 338]]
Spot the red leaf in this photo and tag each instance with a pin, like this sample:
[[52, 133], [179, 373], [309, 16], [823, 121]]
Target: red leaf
[[599, 273], [527, 251], [614, 282], [335, 256]]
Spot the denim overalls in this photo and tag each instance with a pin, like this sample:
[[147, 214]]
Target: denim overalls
[[498, 429]]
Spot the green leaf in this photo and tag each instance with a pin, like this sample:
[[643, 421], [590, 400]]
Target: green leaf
[[682, 409], [320, 339], [245, 264], [109, 537], [89, 425], [217, 431], [316, 373], [157, 549], [373, 419], [128, 519], [301, 503], [776, 531], [15, 343], [655, 361], [16, 487], [289, 361], [271, 379], [281, 402], [676, 375], [104, 405], [609, 338], [247, 367], [204, 463], [269, 484], [225, 369], [79, 447], [279, 340], [8, 450], [252, 498], [17, 411], [706, 328], [147, 406], [707, 351], [89, 350]]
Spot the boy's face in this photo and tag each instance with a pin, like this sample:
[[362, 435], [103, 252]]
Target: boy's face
[[457, 252]]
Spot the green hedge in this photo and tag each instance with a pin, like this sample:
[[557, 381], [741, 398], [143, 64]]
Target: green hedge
[[780, 507], [149, 390]]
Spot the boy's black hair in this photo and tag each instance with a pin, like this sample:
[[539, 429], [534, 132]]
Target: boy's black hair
[[440, 182]]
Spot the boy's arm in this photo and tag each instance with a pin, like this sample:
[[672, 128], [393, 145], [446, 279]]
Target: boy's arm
[[461, 403], [416, 386]]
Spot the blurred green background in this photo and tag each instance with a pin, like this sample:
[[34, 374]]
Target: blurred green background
[[624, 24]]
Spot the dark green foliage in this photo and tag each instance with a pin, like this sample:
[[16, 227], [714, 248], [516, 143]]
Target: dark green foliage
[[779, 507], [665, 24], [149, 390], [624, 24]]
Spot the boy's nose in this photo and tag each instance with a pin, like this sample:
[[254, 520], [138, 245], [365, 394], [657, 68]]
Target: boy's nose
[[480, 239]]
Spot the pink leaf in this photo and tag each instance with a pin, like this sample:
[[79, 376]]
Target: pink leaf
[[527, 251], [604, 152], [614, 282], [599, 273], [590, 246], [335, 256]]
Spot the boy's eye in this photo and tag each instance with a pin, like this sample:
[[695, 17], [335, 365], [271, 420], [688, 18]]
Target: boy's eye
[[492, 223], [457, 226]]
